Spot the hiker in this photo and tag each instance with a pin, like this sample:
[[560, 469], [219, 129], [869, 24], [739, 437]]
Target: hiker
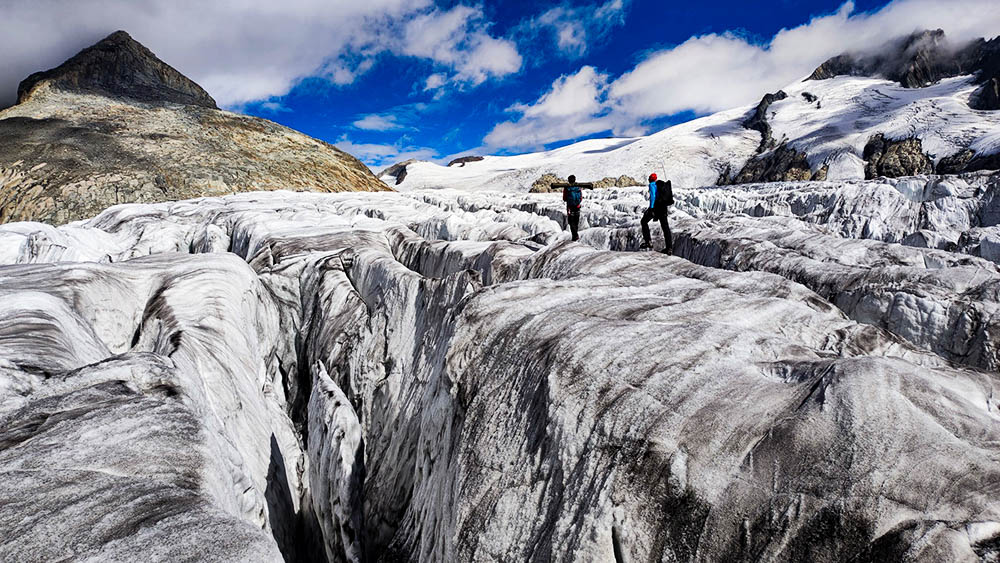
[[573, 197], [661, 196]]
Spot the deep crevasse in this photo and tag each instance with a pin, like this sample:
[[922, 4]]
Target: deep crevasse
[[501, 394]]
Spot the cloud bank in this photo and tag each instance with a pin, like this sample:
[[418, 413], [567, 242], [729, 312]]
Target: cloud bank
[[715, 72]]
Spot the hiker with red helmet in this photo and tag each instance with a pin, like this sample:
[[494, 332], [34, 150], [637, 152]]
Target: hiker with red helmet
[[661, 196], [573, 198]]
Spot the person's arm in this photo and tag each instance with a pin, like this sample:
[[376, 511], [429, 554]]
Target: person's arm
[[565, 194], [652, 194]]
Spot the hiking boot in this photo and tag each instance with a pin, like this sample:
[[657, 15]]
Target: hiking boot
[[668, 251], [645, 246]]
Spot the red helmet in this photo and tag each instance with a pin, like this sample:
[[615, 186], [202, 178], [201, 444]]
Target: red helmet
[[652, 177]]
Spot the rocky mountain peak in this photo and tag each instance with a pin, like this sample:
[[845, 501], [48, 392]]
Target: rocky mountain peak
[[120, 67], [916, 60]]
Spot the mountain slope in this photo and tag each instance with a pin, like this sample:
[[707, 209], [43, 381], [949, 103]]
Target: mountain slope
[[907, 111], [115, 125]]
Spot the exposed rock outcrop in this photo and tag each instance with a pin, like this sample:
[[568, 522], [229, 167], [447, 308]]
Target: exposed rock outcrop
[[116, 125], [894, 158], [968, 161], [544, 183], [783, 164], [914, 61], [922, 59], [758, 120], [119, 67], [397, 171], [987, 96], [956, 163], [462, 160]]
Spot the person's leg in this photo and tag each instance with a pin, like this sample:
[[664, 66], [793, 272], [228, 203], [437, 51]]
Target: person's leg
[[646, 216], [574, 224], [668, 239]]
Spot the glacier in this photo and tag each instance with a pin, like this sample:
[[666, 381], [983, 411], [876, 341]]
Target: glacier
[[444, 375]]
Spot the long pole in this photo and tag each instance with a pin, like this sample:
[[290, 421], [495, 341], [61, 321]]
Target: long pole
[[663, 167]]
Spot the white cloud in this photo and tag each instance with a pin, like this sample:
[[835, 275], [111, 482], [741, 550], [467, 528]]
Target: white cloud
[[435, 81], [454, 39], [396, 118], [378, 156], [715, 72], [487, 58], [575, 27], [377, 122], [248, 50], [274, 107], [571, 108]]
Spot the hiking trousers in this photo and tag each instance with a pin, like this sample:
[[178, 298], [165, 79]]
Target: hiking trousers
[[649, 215], [573, 218]]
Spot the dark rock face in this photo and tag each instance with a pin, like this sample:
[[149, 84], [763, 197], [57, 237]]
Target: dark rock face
[[968, 161], [783, 164], [758, 120], [987, 97], [397, 171], [895, 158], [956, 163], [915, 61], [820, 175], [987, 62], [464, 159], [922, 59], [120, 67]]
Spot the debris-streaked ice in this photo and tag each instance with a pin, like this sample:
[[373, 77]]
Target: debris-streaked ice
[[443, 375]]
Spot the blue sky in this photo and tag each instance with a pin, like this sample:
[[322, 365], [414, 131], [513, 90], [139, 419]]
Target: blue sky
[[388, 80], [389, 107]]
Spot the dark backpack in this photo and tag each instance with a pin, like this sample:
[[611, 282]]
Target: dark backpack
[[575, 197], [664, 195]]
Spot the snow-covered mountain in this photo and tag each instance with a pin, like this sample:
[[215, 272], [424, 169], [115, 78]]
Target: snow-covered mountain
[[826, 126]]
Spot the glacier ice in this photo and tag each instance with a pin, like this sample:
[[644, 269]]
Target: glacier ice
[[443, 375]]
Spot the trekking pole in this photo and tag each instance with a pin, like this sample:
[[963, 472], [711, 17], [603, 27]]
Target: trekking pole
[[663, 167]]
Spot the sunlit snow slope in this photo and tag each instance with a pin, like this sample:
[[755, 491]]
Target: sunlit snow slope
[[831, 129]]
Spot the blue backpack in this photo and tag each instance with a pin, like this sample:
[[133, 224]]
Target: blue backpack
[[575, 196]]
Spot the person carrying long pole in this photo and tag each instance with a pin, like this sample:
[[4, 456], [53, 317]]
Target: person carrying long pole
[[573, 196]]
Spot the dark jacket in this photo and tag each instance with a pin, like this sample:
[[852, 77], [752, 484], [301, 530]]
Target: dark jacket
[[566, 197], [664, 197]]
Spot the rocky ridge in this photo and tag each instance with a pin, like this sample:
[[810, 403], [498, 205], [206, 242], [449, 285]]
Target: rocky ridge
[[119, 67], [922, 59], [114, 125]]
